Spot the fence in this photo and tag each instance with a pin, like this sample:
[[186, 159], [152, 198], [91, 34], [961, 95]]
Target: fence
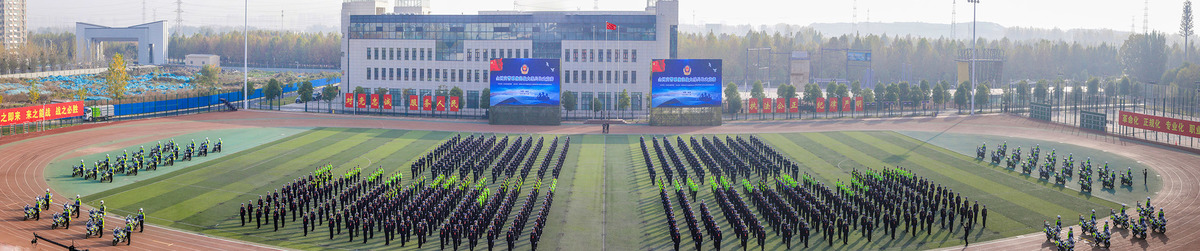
[[151, 106]]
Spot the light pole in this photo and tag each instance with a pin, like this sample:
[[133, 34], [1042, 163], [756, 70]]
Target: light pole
[[974, 51], [246, 57]]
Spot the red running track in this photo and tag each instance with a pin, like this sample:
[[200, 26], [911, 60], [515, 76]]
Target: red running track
[[23, 159]]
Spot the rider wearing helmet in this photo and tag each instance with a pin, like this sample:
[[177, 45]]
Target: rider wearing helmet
[[1058, 222], [1093, 214], [141, 221], [102, 206]]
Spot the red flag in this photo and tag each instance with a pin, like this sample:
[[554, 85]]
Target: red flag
[[497, 64], [441, 103], [658, 66], [858, 104], [833, 105], [766, 106], [795, 107], [753, 105], [374, 101], [846, 104], [414, 102], [362, 100], [454, 104], [387, 101], [610, 26], [349, 100], [820, 104], [427, 103], [780, 105]]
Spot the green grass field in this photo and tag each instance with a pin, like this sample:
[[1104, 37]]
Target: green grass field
[[604, 199]]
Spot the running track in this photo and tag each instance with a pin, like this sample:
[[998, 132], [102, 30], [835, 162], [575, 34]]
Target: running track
[[24, 157]]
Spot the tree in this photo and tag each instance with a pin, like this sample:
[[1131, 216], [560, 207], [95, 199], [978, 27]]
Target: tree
[[868, 95], [570, 102], [1185, 27], [381, 91], [328, 94], [880, 90], [903, 94], [937, 97], [1093, 88], [273, 91], [982, 92], [960, 95], [117, 77], [892, 94], [732, 98], [306, 93], [812, 92], [1023, 91], [757, 90], [485, 98], [945, 93], [359, 90], [596, 106], [1144, 56], [926, 90], [916, 95], [785, 91], [210, 76], [35, 95], [1040, 91], [623, 101], [855, 88]]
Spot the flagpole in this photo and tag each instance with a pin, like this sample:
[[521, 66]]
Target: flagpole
[[607, 70]]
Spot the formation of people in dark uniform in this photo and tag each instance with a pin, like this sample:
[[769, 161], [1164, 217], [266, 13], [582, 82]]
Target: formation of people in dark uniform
[[461, 211], [873, 201]]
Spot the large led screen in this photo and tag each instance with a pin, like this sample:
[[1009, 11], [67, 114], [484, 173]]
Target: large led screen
[[524, 82], [685, 83]]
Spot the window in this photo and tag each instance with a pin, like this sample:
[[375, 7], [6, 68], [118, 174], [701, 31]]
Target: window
[[624, 77], [526, 53], [566, 56], [422, 54], [635, 55], [575, 55], [472, 99], [368, 73], [405, 75], [391, 74], [420, 74], [575, 76], [406, 54], [624, 55], [585, 101], [391, 53], [376, 54], [368, 53], [566, 77], [608, 55], [635, 100], [377, 70], [633, 75]]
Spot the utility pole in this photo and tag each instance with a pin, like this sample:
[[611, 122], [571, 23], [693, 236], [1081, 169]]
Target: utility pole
[[178, 15], [246, 56]]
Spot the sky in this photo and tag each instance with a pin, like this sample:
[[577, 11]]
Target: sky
[[299, 14]]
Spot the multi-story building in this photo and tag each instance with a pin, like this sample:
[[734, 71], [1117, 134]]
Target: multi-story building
[[12, 23], [410, 49]]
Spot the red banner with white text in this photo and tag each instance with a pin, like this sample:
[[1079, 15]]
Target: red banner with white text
[[349, 100], [374, 101], [362, 100], [846, 104], [833, 104], [752, 105], [414, 102], [427, 103], [795, 105], [441, 103], [387, 101], [820, 104], [858, 104], [1160, 124], [454, 103], [42, 112], [766, 106]]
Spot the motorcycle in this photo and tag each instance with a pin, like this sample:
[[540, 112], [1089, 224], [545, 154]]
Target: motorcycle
[[120, 234], [1158, 225], [62, 220], [1102, 239], [1120, 220], [94, 228], [31, 212], [78, 170], [203, 149], [1051, 231], [996, 157], [980, 151], [1085, 184], [216, 147], [1138, 229], [1087, 226], [1127, 179]]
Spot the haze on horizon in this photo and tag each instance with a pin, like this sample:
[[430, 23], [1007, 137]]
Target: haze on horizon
[[301, 14]]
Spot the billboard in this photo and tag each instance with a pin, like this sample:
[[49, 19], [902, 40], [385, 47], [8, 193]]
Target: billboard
[[525, 82], [1160, 124], [41, 112], [685, 83], [858, 56]]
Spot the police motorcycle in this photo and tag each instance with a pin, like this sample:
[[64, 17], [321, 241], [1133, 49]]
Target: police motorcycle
[[121, 234], [132, 220], [1085, 183], [217, 146], [1103, 238], [1120, 219], [1087, 226], [1059, 177], [187, 153], [1138, 229], [60, 219], [31, 212], [1127, 177], [204, 148], [1067, 244], [1069, 164], [981, 151], [106, 175], [1051, 231], [1052, 159], [95, 224], [79, 169], [1159, 224], [997, 156]]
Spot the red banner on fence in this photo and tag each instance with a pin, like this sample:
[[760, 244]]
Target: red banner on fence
[[349, 100], [362, 100], [454, 104], [846, 104], [833, 104], [795, 105], [441, 103], [820, 104], [387, 101], [752, 105], [414, 102], [780, 105], [427, 103], [766, 106], [42, 112], [1160, 124], [374, 101], [858, 104]]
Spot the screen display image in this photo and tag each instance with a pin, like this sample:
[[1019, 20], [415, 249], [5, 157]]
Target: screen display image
[[685, 83], [525, 82]]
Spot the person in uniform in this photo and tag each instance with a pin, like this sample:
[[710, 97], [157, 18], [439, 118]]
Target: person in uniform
[[258, 218], [984, 214], [304, 224], [242, 214]]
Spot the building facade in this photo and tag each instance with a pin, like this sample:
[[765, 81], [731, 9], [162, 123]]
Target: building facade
[[13, 23], [200, 60], [409, 49]]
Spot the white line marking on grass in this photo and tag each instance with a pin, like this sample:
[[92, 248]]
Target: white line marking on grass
[[268, 160]]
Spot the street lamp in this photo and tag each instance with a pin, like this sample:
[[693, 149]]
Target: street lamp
[[974, 51]]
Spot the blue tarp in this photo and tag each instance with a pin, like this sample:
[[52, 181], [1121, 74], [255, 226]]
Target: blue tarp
[[202, 101]]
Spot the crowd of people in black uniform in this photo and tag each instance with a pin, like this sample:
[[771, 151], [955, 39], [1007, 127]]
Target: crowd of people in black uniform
[[882, 200], [459, 210]]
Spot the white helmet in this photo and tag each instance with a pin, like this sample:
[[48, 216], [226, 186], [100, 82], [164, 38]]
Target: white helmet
[[101, 202], [48, 190]]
